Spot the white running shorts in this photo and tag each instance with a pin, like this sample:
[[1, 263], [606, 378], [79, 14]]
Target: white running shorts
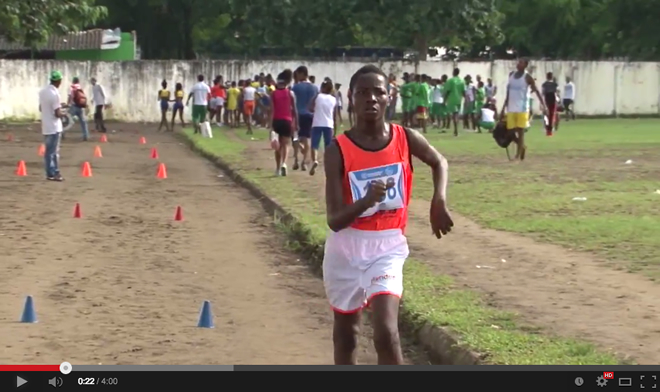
[[359, 264]]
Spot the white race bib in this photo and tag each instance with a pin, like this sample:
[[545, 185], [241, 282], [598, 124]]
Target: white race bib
[[359, 181]]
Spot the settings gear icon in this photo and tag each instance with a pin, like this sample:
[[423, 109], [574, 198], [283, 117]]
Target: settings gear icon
[[601, 381]]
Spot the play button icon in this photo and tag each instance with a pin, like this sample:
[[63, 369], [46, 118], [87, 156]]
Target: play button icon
[[20, 381]]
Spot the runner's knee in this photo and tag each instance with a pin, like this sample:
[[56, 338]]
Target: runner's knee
[[385, 322], [346, 331]]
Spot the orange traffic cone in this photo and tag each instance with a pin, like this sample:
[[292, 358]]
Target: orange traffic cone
[[143, 140], [162, 171], [104, 138], [97, 152], [154, 153], [76, 211], [178, 215], [42, 150], [21, 171], [86, 170]]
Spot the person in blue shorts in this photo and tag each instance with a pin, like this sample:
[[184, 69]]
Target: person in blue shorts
[[305, 91]]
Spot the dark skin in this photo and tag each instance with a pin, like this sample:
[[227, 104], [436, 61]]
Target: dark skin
[[519, 132], [372, 132]]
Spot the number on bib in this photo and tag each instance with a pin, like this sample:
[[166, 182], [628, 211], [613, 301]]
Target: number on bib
[[391, 192], [391, 175]]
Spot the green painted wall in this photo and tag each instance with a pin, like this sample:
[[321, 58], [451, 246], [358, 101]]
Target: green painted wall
[[125, 51]]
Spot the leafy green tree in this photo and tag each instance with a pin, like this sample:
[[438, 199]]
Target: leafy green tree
[[31, 22]]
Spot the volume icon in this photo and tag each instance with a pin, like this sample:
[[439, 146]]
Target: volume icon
[[56, 382]]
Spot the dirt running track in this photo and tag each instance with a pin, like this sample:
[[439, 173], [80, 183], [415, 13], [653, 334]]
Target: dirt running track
[[124, 284], [565, 293]]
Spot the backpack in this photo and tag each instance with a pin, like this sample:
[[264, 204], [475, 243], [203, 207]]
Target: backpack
[[79, 98], [502, 136]]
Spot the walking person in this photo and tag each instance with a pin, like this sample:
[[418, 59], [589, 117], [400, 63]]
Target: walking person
[[324, 124], [77, 103], [178, 105], [304, 91], [282, 119], [164, 99], [100, 100], [516, 104], [569, 99], [50, 106], [200, 95]]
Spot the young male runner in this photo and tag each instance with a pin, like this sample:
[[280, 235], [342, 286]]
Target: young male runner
[[368, 187]]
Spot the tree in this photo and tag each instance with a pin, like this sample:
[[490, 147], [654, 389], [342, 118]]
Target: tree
[[421, 24], [31, 22]]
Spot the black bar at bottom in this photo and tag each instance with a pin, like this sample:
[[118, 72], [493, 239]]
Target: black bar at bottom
[[416, 380]]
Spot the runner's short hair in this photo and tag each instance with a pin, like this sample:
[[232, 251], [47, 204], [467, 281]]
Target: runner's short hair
[[367, 69]]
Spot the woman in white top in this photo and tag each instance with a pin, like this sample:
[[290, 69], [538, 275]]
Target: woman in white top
[[324, 122]]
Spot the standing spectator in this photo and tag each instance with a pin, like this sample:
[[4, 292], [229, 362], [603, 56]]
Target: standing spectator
[[50, 107], [200, 94], [99, 99], [77, 103], [569, 98]]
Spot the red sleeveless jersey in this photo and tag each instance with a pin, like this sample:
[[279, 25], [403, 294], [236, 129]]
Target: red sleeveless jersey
[[392, 165]]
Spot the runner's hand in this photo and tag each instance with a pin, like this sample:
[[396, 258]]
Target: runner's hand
[[376, 192], [441, 222]]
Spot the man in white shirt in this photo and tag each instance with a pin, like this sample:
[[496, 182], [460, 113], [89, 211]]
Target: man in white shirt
[[99, 100], [50, 106], [469, 104], [569, 98], [200, 95]]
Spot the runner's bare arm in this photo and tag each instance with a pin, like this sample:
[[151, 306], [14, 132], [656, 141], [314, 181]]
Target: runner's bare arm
[[506, 101], [532, 85], [294, 110], [312, 104], [339, 215], [425, 152]]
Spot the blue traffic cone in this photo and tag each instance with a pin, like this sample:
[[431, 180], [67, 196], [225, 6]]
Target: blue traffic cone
[[206, 316], [29, 314]]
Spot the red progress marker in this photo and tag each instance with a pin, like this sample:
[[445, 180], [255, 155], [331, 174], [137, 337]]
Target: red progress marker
[[29, 368]]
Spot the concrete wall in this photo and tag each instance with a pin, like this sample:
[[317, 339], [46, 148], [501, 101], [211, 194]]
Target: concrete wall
[[602, 88]]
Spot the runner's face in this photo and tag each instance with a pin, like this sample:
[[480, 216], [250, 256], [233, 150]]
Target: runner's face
[[370, 97], [522, 64]]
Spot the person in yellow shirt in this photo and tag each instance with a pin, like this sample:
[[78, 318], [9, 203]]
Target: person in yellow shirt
[[232, 105], [164, 99], [178, 105]]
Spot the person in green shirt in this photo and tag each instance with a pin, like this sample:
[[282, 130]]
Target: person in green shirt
[[406, 99], [454, 94], [444, 113], [421, 101], [479, 102]]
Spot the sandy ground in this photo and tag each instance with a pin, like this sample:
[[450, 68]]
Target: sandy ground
[[566, 293], [124, 284]]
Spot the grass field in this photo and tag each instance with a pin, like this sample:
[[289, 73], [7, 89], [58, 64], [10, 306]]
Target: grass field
[[620, 219], [535, 198]]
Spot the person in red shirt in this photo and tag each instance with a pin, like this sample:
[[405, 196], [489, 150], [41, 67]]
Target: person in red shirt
[[217, 100], [369, 179]]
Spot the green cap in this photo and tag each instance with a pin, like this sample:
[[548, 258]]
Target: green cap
[[55, 76]]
